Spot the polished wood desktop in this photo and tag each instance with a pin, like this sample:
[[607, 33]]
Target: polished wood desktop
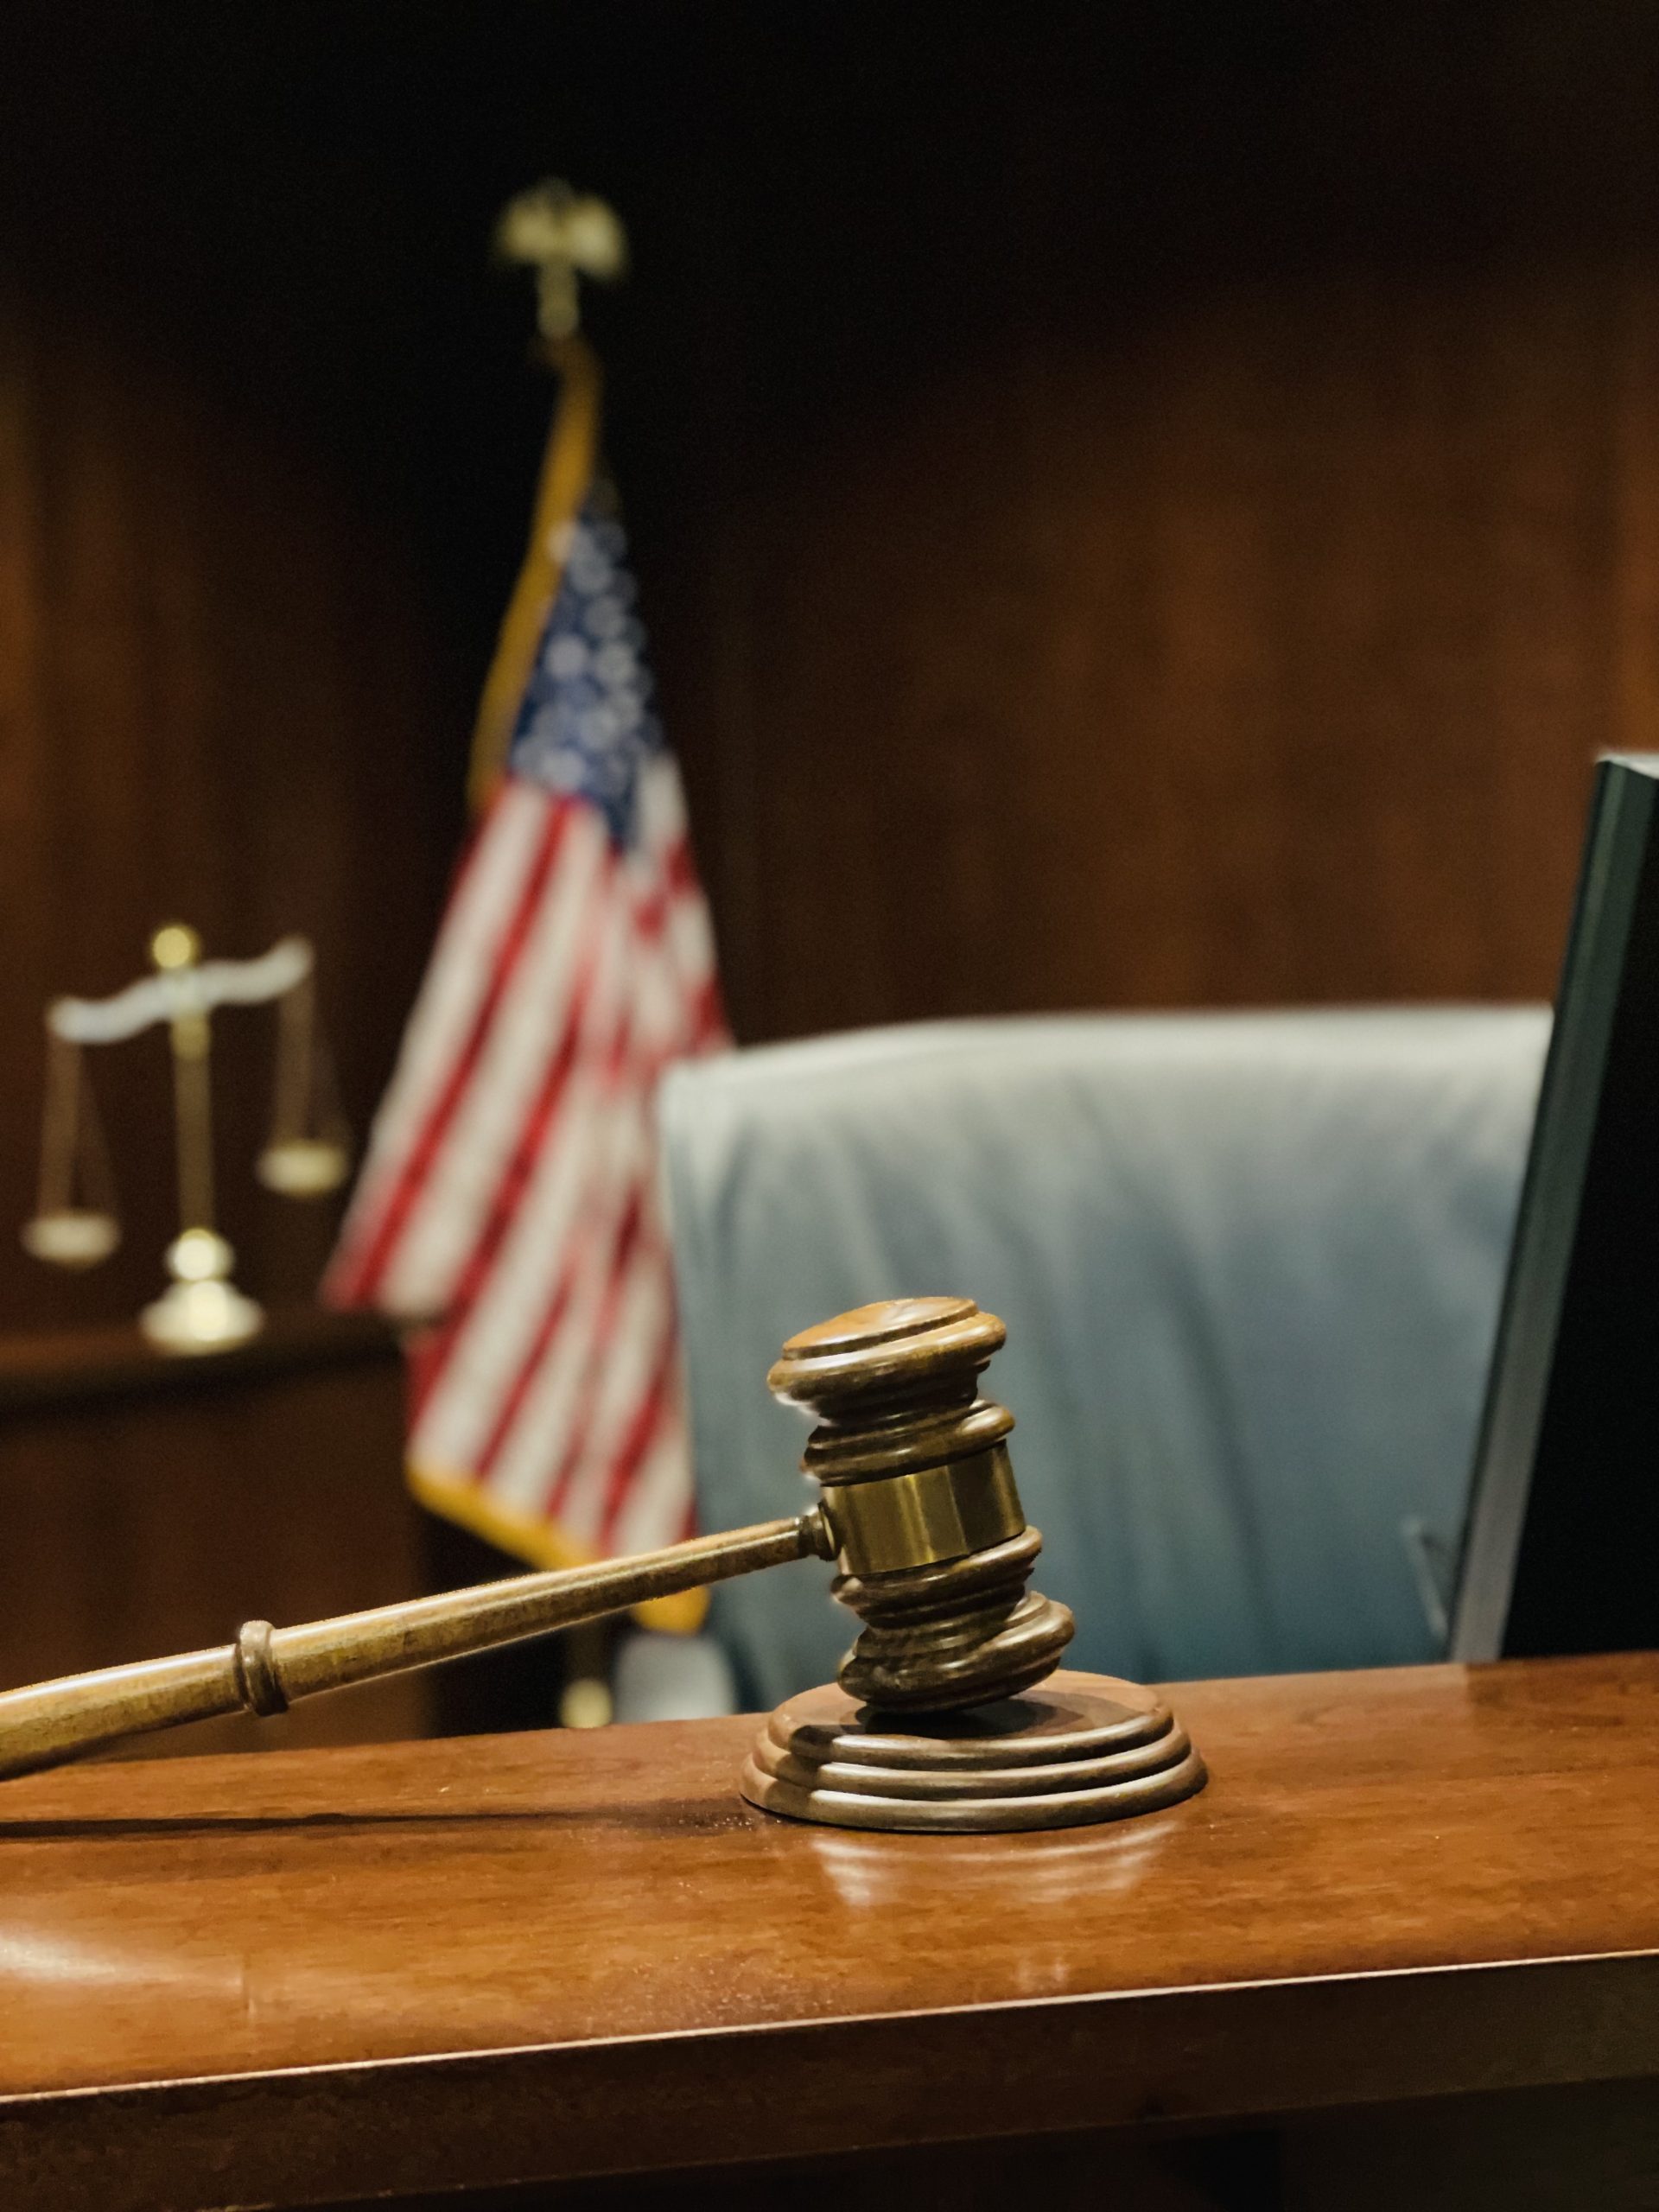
[[1405, 1947]]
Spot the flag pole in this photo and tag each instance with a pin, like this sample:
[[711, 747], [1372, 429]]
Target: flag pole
[[561, 235]]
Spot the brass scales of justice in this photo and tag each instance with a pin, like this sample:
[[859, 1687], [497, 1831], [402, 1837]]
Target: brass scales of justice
[[306, 1152], [950, 1715]]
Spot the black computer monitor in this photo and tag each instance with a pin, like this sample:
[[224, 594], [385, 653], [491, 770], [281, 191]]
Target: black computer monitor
[[1560, 1551]]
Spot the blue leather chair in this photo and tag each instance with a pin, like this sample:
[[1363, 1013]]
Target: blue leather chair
[[1250, 1264]]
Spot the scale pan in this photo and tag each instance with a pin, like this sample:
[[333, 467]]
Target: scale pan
[[75, 1236], [304, 1168]]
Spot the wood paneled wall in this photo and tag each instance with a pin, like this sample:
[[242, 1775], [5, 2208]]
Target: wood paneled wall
[[1193, 503], [217, 698], [1133, 507], [150, 1509]]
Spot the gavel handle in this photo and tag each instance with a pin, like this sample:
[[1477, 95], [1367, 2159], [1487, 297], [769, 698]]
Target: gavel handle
[[267, 1669]]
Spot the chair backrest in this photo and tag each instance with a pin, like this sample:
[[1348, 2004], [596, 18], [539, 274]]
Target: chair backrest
[[1251, 1268]]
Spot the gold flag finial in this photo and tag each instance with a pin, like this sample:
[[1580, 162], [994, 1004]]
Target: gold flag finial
[[561, 234]]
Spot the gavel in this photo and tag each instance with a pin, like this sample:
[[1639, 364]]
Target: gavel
[[917, 1507]]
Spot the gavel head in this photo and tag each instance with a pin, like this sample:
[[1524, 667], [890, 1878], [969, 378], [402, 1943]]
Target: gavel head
[[919, 1499]]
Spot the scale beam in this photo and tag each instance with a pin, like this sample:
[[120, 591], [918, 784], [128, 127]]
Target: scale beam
[[184, 990]]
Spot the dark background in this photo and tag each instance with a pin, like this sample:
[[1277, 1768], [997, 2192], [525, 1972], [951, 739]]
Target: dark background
[[1134, 506]]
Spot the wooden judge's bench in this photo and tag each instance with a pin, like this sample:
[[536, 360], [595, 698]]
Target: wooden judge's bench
[[1402, 1951]]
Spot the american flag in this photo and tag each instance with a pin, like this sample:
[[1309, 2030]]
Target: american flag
[[508, 1201]]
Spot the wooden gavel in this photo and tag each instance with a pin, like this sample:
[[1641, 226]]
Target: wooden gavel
[[917, 1506]]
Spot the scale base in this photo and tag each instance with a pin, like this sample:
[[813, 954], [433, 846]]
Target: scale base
[[201, 1317], [1077, 1750], [201, 1310]]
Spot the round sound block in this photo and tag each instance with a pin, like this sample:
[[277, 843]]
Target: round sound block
[[1076, 1749]]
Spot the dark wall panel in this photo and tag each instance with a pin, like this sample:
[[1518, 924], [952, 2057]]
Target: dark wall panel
[[1133, 506]]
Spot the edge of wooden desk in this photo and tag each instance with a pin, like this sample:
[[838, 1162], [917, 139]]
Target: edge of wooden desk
[[731, 2096]]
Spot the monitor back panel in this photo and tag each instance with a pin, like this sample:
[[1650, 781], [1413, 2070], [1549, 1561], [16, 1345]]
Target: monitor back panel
[[1561, 1549]]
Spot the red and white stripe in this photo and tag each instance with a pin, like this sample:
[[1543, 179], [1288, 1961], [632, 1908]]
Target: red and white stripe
[[509, 1197]]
